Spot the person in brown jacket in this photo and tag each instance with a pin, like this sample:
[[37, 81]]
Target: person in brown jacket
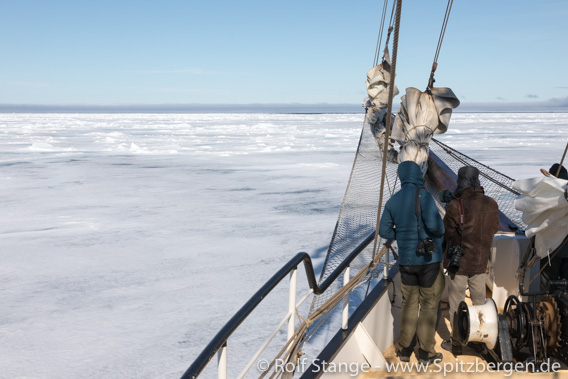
[[470, 222]]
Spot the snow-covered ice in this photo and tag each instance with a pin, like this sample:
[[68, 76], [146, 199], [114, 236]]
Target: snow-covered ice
[[128, 240]]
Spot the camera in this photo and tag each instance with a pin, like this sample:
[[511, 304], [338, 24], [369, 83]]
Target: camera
[[456, 253], [426, 246], [446, 196]]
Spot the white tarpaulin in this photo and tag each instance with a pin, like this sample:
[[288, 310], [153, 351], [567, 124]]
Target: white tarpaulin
[[545, 211], [378, 80], [422, 115]]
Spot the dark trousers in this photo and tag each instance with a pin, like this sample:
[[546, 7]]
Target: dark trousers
[[422, 288]]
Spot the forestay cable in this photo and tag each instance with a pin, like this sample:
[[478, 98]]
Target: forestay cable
[[380, 37], [388, 120], [440, 41]]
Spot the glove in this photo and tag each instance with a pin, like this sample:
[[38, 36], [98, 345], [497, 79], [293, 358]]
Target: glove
[[446, 196]]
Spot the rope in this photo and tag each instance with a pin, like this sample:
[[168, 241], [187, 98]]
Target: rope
[[550, 256], [378, 49], [392, 15], [392, 187], [293, 345], [388, 120], [335, 231], [451, 152], [409, 137], [562, 161], [390, 26], [440, 41], [380, 38]]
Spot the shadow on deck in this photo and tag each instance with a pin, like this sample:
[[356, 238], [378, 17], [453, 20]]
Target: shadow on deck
[[470, 363]]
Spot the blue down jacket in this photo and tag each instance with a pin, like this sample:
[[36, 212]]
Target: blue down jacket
[[398, 221]]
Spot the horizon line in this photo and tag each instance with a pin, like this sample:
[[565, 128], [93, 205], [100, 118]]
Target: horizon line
[[532, 107]]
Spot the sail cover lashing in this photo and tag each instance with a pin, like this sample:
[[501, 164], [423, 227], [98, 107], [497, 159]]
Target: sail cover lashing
[[544, 203]]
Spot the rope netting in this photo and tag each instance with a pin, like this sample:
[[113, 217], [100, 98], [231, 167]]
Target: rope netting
[[496, 185], [358, 215]]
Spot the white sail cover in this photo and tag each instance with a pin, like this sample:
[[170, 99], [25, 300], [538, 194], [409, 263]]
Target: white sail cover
[[378, 79], [545, 211], [422, 115]]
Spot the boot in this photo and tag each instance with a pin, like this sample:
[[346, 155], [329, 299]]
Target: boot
[[425, 359], [452, 347]]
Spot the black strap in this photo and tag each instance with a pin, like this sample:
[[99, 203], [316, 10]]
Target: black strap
[[417, 209]]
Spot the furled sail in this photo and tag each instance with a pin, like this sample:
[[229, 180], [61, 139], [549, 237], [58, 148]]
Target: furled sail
[[544, 204], [378, 79], [421, 115]]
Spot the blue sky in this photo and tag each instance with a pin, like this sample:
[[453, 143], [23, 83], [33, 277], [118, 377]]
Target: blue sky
[[268, 52]]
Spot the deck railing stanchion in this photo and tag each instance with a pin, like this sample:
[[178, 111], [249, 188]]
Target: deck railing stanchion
[[292, 302], [346, 300], [222, 362]]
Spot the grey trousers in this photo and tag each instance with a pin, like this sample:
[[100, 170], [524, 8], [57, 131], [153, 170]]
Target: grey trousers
[[420, 313], [456, 292]]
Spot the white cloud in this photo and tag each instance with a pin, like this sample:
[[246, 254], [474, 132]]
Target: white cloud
[[188, 70], [550, 105]]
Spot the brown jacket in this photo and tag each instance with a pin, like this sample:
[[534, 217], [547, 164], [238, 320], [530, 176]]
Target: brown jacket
[[481, 222]]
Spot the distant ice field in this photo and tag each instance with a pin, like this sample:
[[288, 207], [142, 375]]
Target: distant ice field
[[128, 240]]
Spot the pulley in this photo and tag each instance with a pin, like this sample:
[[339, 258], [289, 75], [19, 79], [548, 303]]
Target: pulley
[[516, 315], [478, 323]]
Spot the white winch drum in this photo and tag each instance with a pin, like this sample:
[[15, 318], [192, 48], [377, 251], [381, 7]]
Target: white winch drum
[[478, 323]]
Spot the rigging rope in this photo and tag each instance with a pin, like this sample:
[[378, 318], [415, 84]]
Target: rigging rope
[[380, 38], [378, 49], [547, 263], [467, 162], [290, 351], [561, 161], [440, 41], [388, 120]]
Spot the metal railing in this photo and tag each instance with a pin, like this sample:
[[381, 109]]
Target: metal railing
[[219, 342]]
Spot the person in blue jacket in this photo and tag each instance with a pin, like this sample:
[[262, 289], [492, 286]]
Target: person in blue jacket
[[422, 280]]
